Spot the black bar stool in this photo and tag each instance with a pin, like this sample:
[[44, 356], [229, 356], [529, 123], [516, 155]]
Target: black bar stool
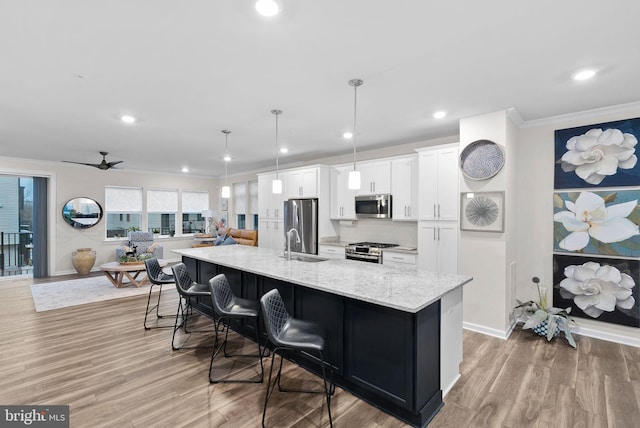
[[227, 306], [287, 333], [157, 278], [187, 289]]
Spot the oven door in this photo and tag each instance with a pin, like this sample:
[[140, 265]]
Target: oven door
[[363, 257]]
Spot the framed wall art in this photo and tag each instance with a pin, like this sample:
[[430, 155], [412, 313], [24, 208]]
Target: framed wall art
[[482, 211], [599, 155], [600, 289], [601, 223]]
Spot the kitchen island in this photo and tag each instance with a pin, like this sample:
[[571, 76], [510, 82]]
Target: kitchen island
[[389, 331]]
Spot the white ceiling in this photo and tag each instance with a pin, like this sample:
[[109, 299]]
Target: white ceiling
[[188, 69]]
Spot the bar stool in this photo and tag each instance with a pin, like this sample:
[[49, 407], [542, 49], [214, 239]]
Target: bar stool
[[156, 277], [227, 306], [287, 333], [187, 289]]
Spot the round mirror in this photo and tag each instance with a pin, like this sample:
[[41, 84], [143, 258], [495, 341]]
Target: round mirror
[[82, 213]]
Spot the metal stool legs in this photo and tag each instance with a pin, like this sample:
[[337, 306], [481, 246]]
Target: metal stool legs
[[156, 306], [328, 390], [223, 346]]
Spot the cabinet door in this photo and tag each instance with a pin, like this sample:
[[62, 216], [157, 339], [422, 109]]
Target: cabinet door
[[294, 184], [366, 179], [428, 165], [448, 194], [404, 176], [344, 206], [428, 247], [264, 196], [264, 233], [448, 247], [309, 183], [382, 177], [277, 234]]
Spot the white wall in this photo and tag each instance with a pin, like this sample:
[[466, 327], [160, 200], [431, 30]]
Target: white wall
[[70, 181], [535, 210], [484, 255]]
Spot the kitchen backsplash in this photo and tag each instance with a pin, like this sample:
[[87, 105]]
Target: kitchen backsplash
[[374, 230]]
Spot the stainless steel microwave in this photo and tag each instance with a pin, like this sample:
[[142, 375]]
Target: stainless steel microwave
[[373, 206]]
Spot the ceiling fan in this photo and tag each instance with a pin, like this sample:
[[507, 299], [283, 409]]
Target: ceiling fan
[[104, 165]]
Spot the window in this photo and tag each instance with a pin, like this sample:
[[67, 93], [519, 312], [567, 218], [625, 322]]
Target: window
[[193, 203], [123, 208], [253, 204], [240, 204], [162, 206]]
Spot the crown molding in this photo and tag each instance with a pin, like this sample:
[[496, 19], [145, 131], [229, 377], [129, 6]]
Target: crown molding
[[586, 114]]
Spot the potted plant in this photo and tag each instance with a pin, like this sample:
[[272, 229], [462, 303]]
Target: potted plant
[[543, 319]]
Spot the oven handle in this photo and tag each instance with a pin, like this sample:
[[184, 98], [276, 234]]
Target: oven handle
[[360, 257]]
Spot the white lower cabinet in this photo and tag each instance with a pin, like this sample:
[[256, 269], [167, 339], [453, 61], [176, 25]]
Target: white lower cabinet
[[271, 233], [438, 246], [391, 258], [331, 251]]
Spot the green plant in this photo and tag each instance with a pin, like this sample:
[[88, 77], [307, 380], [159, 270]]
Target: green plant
[[134, 258], [538, 314], [133, 229], [155, 230]]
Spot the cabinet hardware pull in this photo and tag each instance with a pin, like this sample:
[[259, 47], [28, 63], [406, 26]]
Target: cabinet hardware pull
[[438, 210], [434, 210], [438, 234], [434, 233]]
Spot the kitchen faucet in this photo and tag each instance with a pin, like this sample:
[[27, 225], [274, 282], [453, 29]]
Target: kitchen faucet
[[289, 241]]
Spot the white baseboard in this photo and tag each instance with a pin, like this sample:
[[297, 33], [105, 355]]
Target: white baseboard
[[487, 330], [446, 390], [610, 337], [582, 331]]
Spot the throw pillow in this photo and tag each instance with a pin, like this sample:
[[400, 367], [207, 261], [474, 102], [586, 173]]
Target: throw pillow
[[219, 240], [229, 241]]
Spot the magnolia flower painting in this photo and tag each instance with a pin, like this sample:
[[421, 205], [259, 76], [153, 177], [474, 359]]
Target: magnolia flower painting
[[601, 289], [598, 155], [599, 223]]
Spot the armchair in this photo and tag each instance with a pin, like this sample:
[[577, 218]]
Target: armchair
[[143, 241]]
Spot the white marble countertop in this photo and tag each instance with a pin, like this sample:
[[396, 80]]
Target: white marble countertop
[[405, 289]]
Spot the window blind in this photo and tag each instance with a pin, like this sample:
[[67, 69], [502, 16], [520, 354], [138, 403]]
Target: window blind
[[162, 201], [194, 202], [123, 199]]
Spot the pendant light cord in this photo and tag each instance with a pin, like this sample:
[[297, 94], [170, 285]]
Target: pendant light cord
[[277, 156], [355, 109]]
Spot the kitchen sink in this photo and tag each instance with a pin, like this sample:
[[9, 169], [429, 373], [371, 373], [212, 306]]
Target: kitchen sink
[[306, 258]]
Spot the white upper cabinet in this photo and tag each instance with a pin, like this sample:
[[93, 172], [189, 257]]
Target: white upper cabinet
[[438, 188], [343, 204], [375, 177], [404, 188], [302, 183], [269, 204]]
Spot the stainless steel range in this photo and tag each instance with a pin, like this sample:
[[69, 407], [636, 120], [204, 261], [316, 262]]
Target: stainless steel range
[[366, 251]]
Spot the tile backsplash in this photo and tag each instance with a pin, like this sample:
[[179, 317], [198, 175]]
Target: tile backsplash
[[374, 230]]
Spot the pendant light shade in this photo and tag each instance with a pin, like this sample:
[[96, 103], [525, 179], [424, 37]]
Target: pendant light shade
[[276, 185], [354, 176], [226, 190], [354, 180]]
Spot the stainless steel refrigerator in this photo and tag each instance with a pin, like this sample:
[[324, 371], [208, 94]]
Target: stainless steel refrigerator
[[302, 215]]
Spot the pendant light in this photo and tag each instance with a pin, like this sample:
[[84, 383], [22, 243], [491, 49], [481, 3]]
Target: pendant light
[[276, 185], [226, 190], [354, 176]]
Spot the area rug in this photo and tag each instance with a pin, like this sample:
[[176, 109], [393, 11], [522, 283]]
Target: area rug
[[62, 294]]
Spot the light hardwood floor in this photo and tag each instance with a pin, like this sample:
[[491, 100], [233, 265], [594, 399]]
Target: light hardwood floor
[[98, 359]]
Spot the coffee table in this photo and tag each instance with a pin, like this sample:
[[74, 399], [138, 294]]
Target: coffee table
[[116, 272]]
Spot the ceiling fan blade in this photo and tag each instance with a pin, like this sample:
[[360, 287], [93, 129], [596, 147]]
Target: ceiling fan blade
[[96, 165], [111, 164]]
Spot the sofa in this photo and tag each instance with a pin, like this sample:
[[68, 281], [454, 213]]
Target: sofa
[[241, 236]]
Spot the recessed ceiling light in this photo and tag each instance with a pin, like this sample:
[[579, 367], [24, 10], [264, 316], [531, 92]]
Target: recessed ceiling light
[[347, 135], [185, 169], [283, 150], [227, 158], [584, 75], [439, 114], [267, 7], [127, 118]]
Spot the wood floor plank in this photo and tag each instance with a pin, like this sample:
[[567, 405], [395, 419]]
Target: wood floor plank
[[98, 359]]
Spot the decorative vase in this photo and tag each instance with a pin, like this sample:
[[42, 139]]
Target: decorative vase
[[542, 329], [83, 260]]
